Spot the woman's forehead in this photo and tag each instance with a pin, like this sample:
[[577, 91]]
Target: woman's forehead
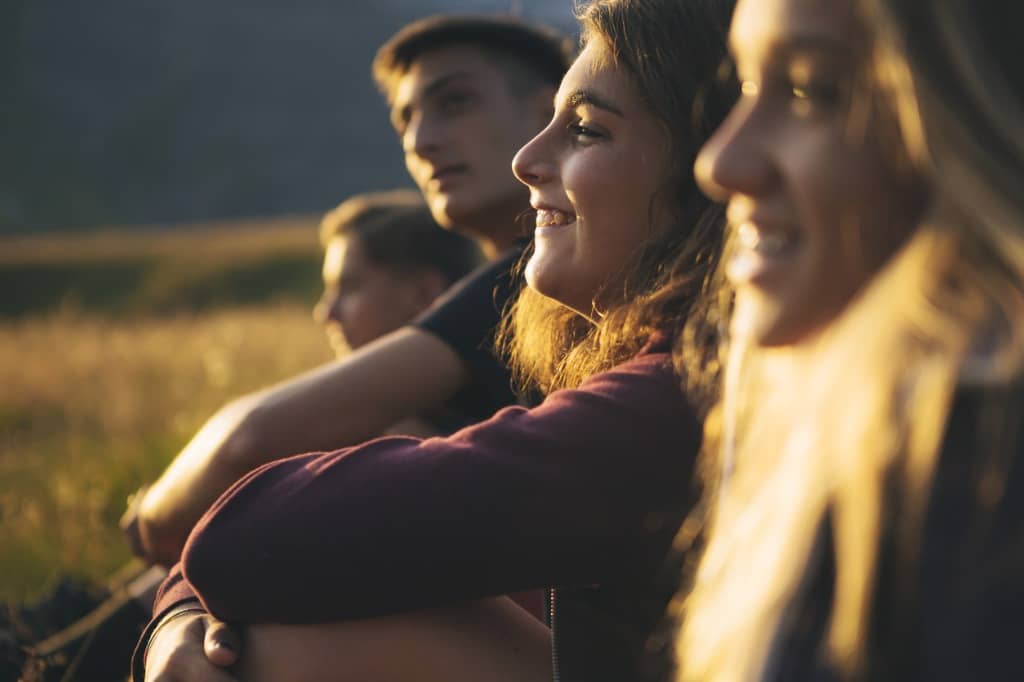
[[596, 79], [763, 28]]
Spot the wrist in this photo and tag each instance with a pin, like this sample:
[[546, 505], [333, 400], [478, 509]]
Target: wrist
[[180, 611]]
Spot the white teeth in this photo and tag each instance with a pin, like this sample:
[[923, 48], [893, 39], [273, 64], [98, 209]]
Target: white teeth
[[748, 236], [547, 217], [753, 239]]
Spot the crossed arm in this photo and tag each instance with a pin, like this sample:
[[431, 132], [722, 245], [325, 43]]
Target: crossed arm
[[342, 403], [581, 490]]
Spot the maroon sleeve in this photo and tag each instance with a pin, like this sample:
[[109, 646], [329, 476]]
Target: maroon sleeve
[[571, 492]]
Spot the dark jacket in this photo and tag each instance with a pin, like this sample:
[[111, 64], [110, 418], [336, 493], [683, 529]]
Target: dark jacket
[[949, 599]]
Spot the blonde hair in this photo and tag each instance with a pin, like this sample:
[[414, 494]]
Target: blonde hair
[[846, 428]]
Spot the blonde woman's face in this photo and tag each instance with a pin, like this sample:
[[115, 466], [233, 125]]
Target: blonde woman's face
[[814, 203], [592, 173]]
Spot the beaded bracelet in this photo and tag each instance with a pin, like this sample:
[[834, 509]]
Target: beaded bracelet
[[183, 610]]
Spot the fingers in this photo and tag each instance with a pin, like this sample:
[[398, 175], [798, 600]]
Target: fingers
[[222, 643], [192, 671]]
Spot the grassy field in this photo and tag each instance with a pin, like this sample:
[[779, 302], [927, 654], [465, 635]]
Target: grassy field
[[114, 348], [155, 271]]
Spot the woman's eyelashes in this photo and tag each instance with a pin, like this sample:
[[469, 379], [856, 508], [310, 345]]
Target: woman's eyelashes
[[582, 131], [819, 94], [803, 96], [804, 84]]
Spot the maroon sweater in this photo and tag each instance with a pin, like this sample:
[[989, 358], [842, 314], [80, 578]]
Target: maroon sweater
[[586, 489]]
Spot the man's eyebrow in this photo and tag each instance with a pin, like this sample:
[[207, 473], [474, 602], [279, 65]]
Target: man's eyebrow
[[579, 98], [401, 114]]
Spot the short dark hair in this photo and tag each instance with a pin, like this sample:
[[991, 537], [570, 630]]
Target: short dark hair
[[395, 230], [538, 51]]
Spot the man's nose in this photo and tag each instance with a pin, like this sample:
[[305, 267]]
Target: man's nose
[[423, 135]]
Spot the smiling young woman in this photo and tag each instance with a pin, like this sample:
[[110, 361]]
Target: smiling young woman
[[869, 507], [592, 173], [623, 240], [384, 547]]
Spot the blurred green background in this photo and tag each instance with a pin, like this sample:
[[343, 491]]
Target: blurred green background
[[232, 124], [115, 346]]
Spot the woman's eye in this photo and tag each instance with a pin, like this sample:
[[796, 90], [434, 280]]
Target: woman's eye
[[583, 132], [823, 94]]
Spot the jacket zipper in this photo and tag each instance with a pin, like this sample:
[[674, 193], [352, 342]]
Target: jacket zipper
[[553, 624]]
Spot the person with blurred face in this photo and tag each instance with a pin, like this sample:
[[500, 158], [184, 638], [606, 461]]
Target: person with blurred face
[[808, 232], [465, 93], [869, 508], [404, 543], [385, 261]]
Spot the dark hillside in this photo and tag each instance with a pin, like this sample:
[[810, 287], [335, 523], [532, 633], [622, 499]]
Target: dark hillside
[[132, 273], [136, 111]]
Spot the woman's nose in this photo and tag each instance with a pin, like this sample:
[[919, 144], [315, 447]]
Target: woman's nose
[[534, 164], [737, 158]]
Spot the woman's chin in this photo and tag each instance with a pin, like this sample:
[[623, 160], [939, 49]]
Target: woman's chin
[[539, 276]]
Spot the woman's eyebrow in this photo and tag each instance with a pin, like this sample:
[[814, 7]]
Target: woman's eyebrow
[[815, 44], [790, 46], [580, 97]]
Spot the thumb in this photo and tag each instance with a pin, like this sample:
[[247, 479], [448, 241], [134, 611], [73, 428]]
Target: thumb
[[221, 644]]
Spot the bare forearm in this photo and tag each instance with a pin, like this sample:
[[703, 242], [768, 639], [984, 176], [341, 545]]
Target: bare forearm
[[344, 403], [413, 426], [196, 477], [487, 640], [354, 399]]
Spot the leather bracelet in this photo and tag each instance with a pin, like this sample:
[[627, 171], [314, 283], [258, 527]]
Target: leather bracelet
[[183, 610]]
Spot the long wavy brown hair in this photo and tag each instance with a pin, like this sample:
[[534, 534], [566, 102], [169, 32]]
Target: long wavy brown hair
[[672, 50]]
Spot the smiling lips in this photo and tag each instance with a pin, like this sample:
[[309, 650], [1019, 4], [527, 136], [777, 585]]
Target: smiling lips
[[766, 243], [553, 217], [442, 176], [763, 255]]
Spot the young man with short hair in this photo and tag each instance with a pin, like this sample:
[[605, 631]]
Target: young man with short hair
[[385, 262], [465, 94]]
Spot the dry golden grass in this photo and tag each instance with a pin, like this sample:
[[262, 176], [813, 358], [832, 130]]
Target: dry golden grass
[[92, 408], [224, 239], [123, 273]]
